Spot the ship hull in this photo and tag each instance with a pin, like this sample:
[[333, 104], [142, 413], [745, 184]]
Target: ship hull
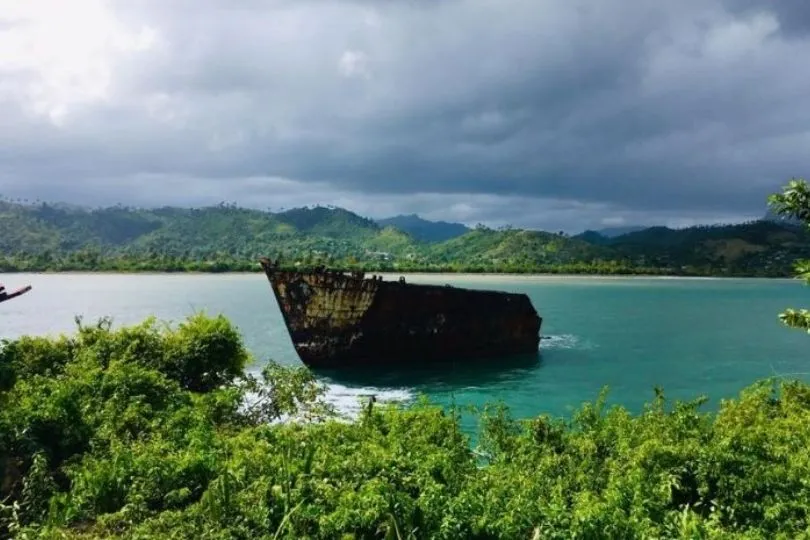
[[336, 319]]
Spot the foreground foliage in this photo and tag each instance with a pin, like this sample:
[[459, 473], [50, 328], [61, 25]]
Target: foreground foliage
[[793, 202], [156, 432]]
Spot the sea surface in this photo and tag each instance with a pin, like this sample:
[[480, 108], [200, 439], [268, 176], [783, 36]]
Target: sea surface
[[692, 337]]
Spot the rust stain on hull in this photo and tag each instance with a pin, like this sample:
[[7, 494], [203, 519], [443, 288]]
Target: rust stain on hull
[[339, 319]]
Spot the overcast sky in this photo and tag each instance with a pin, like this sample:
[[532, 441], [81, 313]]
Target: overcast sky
[[553, 114]]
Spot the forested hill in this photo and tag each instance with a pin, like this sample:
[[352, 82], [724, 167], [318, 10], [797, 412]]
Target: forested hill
[[756, 248], [225, 237], [425, 230]]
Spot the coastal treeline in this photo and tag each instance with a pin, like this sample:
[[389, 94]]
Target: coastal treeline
[[150, 431], [51, 238], [95, 261]]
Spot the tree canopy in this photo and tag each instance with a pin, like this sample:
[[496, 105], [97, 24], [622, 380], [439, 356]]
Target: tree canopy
[[794, 202]]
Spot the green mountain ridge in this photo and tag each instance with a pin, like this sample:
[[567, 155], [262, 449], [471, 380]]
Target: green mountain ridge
[[752, 248], [612, 232], [423, 229], [226, 237]]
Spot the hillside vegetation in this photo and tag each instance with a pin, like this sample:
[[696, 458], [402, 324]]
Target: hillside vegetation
[[225, 237], [755, 248], [423, 229]]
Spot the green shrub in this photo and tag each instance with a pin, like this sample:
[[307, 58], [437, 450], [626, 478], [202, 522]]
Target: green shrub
[[149, 431]]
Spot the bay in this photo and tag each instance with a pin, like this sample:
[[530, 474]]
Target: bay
[[691, 337]]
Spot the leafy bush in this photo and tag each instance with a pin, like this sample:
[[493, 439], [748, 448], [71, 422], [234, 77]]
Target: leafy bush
[[149, 431]]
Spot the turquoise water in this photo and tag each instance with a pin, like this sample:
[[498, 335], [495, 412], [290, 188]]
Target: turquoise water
[[691, 336]]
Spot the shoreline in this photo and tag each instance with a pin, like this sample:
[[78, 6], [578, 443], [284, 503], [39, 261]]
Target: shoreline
[[419, 275]]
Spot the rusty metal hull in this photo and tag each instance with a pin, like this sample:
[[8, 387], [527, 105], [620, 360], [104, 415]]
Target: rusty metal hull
[[339, 319]]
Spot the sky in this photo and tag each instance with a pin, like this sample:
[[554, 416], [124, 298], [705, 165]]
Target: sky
[[548, 114]]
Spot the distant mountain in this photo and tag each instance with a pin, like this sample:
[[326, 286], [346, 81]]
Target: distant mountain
[[603, 237], [213, 231], [515, 248], [331, 222], [612, 232], [772, 216], [423, 229], [593, 237], [50, 236], [754, 248]]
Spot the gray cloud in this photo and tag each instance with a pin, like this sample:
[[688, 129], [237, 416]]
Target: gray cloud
[[503, 111], [793, 15]]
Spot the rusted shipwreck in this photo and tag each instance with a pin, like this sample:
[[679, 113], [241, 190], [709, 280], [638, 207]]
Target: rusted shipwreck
[[338, 319]]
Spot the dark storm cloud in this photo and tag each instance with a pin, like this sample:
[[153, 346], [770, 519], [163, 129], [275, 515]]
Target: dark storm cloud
[[630, 110]]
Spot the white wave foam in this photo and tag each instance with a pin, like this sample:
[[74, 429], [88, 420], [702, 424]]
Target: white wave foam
[[349, 401], [562, 341]]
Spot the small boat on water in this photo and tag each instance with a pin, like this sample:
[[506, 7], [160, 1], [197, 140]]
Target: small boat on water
[[338, 318], [6, 295]]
